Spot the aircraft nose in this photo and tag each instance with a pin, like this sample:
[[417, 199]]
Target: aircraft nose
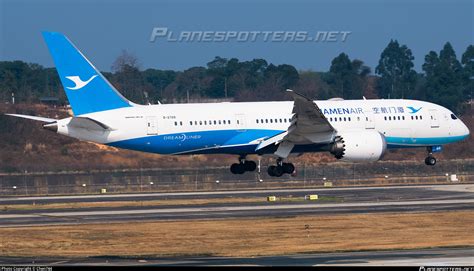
[[465, 131]]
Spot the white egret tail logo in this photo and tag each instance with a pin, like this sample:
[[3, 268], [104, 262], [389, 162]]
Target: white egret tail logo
[[78, 82]]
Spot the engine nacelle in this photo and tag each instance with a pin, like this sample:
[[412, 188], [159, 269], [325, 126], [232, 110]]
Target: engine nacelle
[[359, 146]]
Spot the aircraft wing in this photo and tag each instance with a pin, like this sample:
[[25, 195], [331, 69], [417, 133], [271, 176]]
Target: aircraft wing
[[308, 126]]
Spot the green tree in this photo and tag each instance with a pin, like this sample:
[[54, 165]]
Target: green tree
[[157, 81], [397, 76], [128, 77], [444, 76], [468, 72], [347, 78]]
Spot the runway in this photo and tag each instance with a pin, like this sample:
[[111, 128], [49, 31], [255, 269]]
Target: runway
[[342, 201], [419, 257], [349, 193]]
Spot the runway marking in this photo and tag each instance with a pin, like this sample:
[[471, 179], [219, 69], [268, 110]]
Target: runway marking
[[237, 208], [460, 186]]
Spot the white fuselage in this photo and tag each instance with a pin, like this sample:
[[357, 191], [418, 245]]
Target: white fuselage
[[239, 127]]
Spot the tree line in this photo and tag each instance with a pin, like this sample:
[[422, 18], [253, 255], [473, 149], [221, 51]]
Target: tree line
[[445, 80]]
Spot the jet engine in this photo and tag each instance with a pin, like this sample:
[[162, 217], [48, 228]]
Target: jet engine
[[359, 146]]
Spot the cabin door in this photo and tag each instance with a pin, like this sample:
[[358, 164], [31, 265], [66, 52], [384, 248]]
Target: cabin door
[[151, 128], [434, 118], [369, 120], [240, 122]]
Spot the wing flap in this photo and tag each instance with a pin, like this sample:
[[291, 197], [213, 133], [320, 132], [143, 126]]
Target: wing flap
[[272, 140]]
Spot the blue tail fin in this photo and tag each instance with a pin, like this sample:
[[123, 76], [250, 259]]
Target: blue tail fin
[[86, 88]]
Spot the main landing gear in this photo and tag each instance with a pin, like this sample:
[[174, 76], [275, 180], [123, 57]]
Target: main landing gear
[[280, 169], [243, 166], [430, 160]]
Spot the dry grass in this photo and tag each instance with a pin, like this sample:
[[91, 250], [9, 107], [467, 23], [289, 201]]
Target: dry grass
[[244, 237]]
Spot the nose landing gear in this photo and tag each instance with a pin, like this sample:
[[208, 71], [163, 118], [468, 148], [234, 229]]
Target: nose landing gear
[[430, 160]]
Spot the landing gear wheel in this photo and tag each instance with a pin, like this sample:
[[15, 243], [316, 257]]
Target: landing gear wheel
[[275, 171], [237, 168], [430, 161], [288, 168], [250, 165], [270, 170]]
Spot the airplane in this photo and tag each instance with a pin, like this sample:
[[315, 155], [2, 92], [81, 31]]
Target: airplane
[[351, 130]]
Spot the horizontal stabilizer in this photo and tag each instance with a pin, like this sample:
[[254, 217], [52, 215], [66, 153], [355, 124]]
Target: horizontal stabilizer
[[88, 123], [33, 118]]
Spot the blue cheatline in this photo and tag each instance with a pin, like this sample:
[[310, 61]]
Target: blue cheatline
[[238, 142], [234, 140], [425, 141], [86, 88]]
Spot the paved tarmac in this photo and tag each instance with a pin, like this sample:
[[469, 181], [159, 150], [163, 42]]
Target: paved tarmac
[[420, 257], [428, 198]]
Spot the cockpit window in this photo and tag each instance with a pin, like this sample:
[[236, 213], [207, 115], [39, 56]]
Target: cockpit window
[[454, 117]]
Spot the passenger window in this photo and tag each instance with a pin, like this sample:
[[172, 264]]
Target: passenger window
[[385, 117], [223, 121], [228, 121], [215, 122], [421, 117], [190, 123], [349, 118], [175, 123], [256, 120], [454, 117], [411, 117]]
